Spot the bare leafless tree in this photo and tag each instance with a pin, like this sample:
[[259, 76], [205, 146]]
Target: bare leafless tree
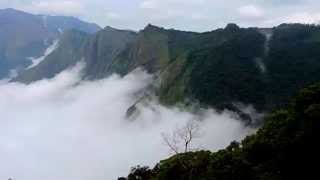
[[181, 138], [171, 141]]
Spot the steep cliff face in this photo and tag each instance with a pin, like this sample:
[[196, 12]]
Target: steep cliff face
[[208, 67], [262, 67], [101, 50], [221, 68], [149, 51]]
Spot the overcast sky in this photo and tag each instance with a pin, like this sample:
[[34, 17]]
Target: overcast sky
[[195, 15]]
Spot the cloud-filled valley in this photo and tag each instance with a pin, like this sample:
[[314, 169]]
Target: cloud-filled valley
[[68, 129]]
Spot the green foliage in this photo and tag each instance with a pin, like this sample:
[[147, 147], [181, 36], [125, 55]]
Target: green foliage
[[227, 73], [138, 173], [217, 68], [220, 67], [283, 149], [293, 61]]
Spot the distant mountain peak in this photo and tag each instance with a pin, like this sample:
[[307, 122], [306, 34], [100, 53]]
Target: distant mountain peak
[[24, 35], [109, 28], [11, 11], [7, 9], [112, 29], [232, 27], [151, 27], [68, 22]]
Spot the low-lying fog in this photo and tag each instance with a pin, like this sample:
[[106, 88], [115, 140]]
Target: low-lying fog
[[67, 129]]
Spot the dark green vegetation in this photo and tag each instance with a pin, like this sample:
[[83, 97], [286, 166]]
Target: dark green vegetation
[[217, 68], [283, 149], [24, 35], [293, 61], [262, 67], [226, 72]]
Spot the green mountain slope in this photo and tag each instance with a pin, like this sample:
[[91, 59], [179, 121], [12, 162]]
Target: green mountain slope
[[150, 51], [231, 65], [283, 149], [218, 64], [97, 51], [102, 48], [293, 61], [221, 68]]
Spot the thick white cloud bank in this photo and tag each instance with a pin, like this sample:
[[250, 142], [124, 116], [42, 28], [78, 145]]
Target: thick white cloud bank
[[69, 129]]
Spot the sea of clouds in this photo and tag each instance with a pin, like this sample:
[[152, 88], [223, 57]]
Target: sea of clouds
[[69, 129]]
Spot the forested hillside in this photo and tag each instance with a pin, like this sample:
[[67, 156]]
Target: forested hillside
[[283, 149], [223, 68]]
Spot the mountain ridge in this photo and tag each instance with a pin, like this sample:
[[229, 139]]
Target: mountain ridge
[[219, 68], [24, 35]]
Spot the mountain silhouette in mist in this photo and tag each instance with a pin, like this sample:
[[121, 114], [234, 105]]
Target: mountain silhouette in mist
[[24, 35]]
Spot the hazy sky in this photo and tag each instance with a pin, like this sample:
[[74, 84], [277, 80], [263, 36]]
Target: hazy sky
[[197, 15]]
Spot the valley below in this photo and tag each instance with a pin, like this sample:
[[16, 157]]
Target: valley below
[[66, 128], [81, 102]]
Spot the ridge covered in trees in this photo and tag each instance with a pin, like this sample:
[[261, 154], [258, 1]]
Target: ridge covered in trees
[[262, 67]]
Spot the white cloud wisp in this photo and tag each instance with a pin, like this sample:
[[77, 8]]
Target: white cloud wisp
[[68, 129]]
